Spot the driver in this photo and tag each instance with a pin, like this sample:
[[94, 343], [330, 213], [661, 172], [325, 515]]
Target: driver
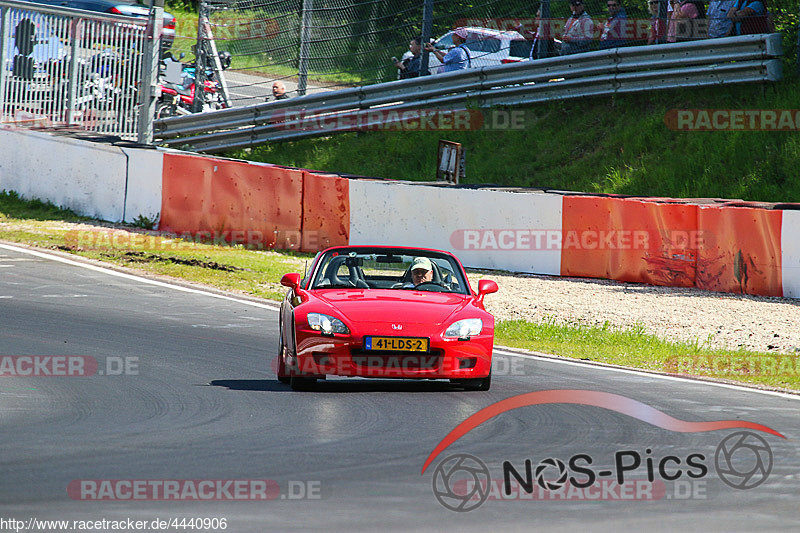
[[421, 271]]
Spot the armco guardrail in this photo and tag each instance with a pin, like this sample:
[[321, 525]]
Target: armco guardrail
[[749, 58]]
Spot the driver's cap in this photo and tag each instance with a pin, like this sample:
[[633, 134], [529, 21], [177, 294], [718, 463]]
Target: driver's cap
[[421, 263]]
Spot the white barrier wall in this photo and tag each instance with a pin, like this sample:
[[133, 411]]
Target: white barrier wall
[[520, 232], [88, 178], [790, 253], [145, 169]]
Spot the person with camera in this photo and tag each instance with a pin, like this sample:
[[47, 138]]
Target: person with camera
[[409, 67], [457, 58]]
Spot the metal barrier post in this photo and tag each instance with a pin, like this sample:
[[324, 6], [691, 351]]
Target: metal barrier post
[[544, 45], [663, 20], [75, 36], [147, 87], [3, 41], [427, 29], [305, 37], [200, 58]]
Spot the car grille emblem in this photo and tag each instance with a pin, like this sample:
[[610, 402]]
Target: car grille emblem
[[397, 326]]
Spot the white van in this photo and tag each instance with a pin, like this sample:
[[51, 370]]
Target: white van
[[486, 48]]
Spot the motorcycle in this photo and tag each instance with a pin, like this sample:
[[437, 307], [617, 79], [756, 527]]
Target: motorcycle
[[177, 98], [104, 90]]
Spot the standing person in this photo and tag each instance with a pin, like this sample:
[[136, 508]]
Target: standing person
[[614, 32], [578, 30], [749, 17], [719, 25], [657, 31], [457, 58], [409, 67], [685, 24]]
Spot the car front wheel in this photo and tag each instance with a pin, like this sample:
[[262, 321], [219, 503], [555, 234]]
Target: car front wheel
[[283, 377]]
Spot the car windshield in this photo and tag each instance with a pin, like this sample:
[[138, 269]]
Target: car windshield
[[445, 42], [397, 269]]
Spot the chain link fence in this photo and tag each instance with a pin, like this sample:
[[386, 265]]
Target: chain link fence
[[312, 45], [62, 69]]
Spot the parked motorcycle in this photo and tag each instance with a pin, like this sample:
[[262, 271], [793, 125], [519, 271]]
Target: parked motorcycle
[[177, 98]]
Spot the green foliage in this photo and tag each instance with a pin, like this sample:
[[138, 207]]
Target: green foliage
[[634, 348], [606, 145], [12, 206], [144, 222]]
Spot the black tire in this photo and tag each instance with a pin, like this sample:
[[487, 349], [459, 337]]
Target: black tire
[[281, 366]]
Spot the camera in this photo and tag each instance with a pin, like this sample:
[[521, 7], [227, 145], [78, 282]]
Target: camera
[[394, 59]]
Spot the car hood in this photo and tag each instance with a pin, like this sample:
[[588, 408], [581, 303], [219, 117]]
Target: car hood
[[410, 307]]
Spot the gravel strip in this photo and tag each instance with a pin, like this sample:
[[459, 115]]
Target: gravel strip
[[717, 320]]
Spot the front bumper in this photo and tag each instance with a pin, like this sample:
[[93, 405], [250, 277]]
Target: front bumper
[[344, 355]]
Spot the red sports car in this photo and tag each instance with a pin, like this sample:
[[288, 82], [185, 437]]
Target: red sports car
[[385, 312]]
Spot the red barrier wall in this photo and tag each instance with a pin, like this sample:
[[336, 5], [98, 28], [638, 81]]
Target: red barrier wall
[[629, 240], [217, 196], [326, 211], [741, 250]]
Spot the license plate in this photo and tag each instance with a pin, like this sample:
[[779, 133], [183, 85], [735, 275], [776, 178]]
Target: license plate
[[396, 344]]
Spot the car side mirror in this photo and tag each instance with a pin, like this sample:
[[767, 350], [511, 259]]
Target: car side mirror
[[292, 280], [486, 286]]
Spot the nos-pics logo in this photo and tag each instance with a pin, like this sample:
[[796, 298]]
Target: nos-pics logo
[[462, 482]]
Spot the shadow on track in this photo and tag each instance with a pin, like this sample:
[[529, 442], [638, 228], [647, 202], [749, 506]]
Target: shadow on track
[[339, 386]]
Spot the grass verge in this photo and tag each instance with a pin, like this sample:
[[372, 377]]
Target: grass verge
[[257, 273], [609, 144]]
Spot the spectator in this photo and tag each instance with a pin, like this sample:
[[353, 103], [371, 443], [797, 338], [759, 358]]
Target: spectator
[[656, 33], [578, 30], [614, 32], [719, 25], [749, 17], [685, 24], [457, 58], [279, 91], [409, 66]]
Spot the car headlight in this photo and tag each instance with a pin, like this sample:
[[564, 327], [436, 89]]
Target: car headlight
[[464, 328], [328, 325]]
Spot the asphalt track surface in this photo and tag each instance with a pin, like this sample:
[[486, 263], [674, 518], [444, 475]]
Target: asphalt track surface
[[246, 89], [204, 404]]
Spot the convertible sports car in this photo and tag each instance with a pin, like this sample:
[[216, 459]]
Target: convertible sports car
[[385, 312]]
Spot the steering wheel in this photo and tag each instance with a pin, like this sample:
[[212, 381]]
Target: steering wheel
[[429, 286]]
